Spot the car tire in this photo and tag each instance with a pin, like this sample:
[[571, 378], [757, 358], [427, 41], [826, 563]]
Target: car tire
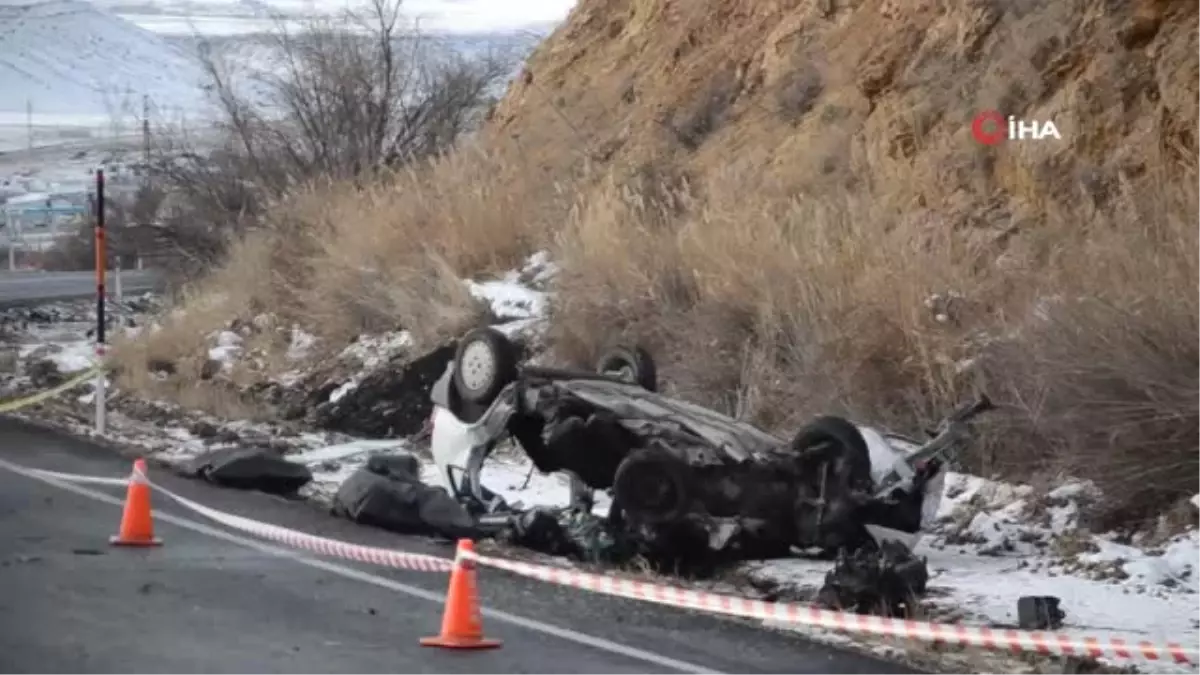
[[834, 467], [631, 364], [484, 364], [651, 487]]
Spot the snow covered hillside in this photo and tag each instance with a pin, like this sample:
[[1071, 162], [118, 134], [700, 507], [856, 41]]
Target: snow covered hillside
[[71, 58], [232, 17]]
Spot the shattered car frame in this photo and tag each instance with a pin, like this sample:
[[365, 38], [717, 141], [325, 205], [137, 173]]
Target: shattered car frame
[[682, 476]]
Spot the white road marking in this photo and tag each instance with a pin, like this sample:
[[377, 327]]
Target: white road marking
[[390, 584]]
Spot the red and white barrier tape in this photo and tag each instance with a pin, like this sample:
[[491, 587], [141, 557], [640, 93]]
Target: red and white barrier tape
[[321, 545], [384, 557], [1058, 643]]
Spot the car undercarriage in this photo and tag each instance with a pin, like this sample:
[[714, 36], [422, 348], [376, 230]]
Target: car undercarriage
[[686, 482]]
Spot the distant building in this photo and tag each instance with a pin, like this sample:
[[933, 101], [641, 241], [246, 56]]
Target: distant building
[[35, 219]]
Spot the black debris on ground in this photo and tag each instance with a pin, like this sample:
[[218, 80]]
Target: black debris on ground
[[262, 469], [1039, 612], [883, 580], [571, 533], [388, 494]]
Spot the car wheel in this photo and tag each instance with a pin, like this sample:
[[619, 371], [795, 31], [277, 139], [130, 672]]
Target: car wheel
[[485, 363], [834, 468], [631, 364], [651, 487]]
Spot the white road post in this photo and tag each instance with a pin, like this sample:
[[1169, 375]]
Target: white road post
[[101, 395]]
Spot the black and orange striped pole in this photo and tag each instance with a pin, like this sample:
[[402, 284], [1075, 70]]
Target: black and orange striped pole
[[101, 264]]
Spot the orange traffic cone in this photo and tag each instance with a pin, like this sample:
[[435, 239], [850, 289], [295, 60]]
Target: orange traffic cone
[[137, 526], [461, 624]]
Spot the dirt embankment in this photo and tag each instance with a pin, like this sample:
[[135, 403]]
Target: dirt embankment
[[786, 202]]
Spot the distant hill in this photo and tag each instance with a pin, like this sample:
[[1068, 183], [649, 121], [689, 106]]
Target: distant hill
[[72, 58]]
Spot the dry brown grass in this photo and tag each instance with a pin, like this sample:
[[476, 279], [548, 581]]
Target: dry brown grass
[[182, 340], [858, 254]]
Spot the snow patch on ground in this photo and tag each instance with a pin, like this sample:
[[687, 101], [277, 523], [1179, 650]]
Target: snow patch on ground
[[228, 348], [519, 298], [374, 350], [370, 352], [301, 345], [69, 356], [995, 542]]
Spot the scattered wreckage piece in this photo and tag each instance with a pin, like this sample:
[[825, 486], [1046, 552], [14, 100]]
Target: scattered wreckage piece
[[262, 469], [1039, 612], [388, 493], [884, 580], [573, 533], [685, 480]]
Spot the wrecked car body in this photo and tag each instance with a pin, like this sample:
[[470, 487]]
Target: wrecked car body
[[686, 482]]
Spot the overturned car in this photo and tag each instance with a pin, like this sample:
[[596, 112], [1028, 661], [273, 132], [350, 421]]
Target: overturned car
[[685, 481]]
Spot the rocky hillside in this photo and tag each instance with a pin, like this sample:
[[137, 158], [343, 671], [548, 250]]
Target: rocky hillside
[[876, 94]]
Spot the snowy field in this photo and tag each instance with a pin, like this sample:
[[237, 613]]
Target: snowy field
[[992, 542]]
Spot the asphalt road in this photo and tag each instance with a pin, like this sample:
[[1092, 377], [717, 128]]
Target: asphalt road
[[19, 288], [212, 600]]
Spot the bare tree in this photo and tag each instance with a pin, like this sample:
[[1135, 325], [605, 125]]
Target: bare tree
[[346, 96], [339, 98]]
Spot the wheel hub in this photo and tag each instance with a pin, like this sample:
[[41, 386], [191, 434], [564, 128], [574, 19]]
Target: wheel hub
[[477, 367], [648, 490]]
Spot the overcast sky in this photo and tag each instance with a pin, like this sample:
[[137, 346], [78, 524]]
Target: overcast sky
[[484, 15]]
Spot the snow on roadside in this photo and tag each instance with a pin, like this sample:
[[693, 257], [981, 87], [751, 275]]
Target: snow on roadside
[[47, 343], [69, 356], [995, 542]]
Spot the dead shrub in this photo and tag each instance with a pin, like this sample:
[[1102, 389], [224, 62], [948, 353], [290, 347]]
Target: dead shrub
[[1103, 374], [343, 98], [1102, 367], [759, 308], [798, 91], [342, 260]]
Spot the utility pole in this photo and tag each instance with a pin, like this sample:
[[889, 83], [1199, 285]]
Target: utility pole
[[146, 137]]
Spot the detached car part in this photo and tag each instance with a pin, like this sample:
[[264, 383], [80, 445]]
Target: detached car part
[[884, 580], [261, 469], [683, 477]]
